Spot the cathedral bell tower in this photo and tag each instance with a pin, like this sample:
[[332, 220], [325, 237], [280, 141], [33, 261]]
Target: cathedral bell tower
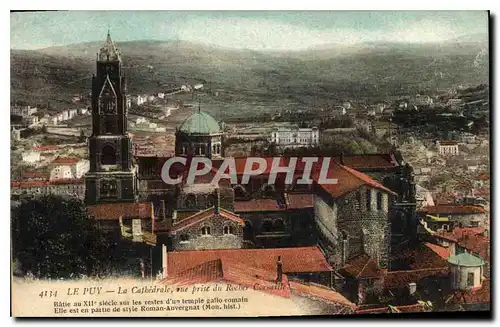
[[112, 175]]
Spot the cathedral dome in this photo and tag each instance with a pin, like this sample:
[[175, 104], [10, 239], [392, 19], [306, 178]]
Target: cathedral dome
[[200, 123]]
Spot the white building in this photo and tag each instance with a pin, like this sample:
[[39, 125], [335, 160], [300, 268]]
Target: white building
[[24, 111], [61, 172], [294, 136], [447, 148], [31, 157], [161, 95], [466, 271], [77, 168]]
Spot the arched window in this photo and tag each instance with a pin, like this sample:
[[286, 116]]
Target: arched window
[[214, 149], [210, 201], [268, 190], [358, 201], [267, 226], [218, 148], [228, 230], [379, 201], [239, 192], [205, 230], [108, 155], [368, 199], [190, 201], [184, 237], [279, 226], [248, 231]]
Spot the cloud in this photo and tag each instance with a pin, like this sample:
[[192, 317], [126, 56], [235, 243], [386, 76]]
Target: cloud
[[262, 34]]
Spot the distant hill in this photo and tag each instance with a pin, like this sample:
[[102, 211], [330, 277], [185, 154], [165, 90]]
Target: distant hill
[[249, 78]]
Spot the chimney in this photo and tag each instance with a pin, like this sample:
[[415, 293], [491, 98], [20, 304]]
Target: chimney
[[342, 158], [412, 288], [279, 270], [164, 261]]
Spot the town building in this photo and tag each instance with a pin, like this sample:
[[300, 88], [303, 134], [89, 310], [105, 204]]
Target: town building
[[31, 157], [199, 135], [447, 148], [460, 214], [295, 137], [24, 111], [68, 167]]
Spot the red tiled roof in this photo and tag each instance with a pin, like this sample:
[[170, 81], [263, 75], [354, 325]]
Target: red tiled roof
[[298, 259], [239, 274], [448, 143], [484, 191], [475, 243], [29, 184], [348, 180], [257, 205], [46, 147], [445, 209], [439, 250], [66, 160], [300, 201], [319, 292], [113, 211], [204, 215], [401, 278], [361, 266], [368, 161], [34, 174], [483, 177], [68, 181], [295, 201], [478, 295]]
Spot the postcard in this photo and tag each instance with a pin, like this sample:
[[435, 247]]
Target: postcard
[[250, 164]]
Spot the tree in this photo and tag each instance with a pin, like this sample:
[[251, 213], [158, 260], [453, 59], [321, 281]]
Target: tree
[[53, 237]]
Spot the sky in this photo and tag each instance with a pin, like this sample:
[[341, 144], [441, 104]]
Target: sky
[[257, 30]]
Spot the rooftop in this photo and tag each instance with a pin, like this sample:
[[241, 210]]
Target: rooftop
[[113, 211], [466, 259], [297, 259], [200, 123], [445, 209], [204, 215]]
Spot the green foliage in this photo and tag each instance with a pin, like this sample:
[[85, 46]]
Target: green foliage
[[53, 237]]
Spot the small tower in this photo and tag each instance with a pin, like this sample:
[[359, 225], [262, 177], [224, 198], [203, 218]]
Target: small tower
[[466, 271]]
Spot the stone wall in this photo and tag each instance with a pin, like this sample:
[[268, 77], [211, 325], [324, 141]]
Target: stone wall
[[352, 225], [216, 240]]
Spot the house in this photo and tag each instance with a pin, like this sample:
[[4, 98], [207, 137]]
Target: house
[[304, 263], [351, 217], [24, 111], [465, 214], [68, 167], [31, 157], [36, 187], [133, 221], [260, 282], [213, 228], [447, 148], [292, 137]]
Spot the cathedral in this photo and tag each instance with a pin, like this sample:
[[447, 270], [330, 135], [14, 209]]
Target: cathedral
[[346, 220]]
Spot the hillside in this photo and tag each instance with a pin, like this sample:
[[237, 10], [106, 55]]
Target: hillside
[[249, 79]]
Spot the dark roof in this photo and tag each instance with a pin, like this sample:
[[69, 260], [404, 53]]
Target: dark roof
[[401, 278], [361, 266], [474, 296]]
